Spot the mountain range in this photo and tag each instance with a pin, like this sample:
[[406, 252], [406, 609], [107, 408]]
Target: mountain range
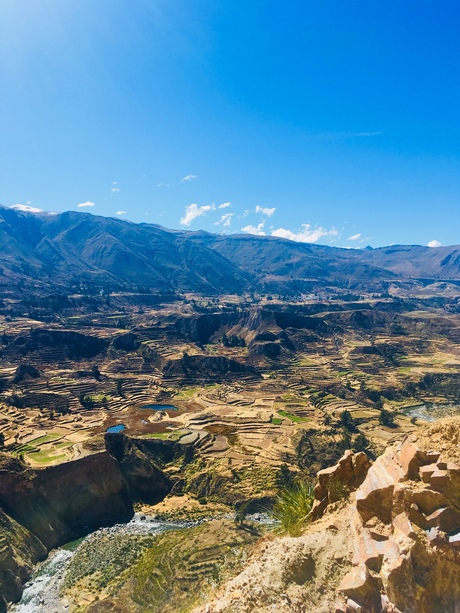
[[75, 248]]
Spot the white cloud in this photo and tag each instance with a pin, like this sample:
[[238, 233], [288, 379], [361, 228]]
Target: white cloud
[[87, 203], [26, 208], [259, 230], [188, 178], [224, 205], [225, 220], [358, 134], [121, 212], [192, 211], [307, 235], [333, 136], [114, 189], [434, 244], [265, 210], [355, 237]]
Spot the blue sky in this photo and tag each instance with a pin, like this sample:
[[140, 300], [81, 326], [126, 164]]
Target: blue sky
[[333, 122]]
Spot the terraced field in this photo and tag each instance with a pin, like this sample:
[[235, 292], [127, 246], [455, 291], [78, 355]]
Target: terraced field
[[64, 384]]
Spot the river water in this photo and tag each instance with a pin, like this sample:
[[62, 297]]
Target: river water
[[42, 592], [431, 411]]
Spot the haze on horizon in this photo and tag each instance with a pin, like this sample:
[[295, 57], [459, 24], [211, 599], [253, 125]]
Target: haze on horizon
[[318, 122]]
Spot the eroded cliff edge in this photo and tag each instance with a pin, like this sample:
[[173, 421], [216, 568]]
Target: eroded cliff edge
[[393, 546], [43, 509]]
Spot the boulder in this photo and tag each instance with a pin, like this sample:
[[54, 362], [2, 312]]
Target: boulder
[[446, 518], [362, 587], [374, 497], [350, 471], [410, 459], [428, 500], [425, 472]]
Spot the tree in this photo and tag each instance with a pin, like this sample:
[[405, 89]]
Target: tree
[[386, 418], [86, 401], [241, 511], [2, 440], [62, 406], [361, 443], [120, 387], [347, 420], [285, 477], [345, 443]]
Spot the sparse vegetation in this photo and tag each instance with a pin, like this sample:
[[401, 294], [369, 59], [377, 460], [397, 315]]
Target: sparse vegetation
[[165, 436], [163, 574]]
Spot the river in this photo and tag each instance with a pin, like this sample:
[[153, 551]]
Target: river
[[431, 411], [42, 593]]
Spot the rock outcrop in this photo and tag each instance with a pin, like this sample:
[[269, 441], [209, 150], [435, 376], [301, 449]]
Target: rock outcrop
[[60, 503], [19, 551], [138, 462], [43, 509], [333, 482], [394, 547], [406, 528], [207, 368]]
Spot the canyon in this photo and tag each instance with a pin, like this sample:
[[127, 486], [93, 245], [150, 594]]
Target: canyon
[[193, 379]]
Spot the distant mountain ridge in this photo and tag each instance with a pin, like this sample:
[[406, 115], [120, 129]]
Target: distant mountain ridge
[[73, 247]]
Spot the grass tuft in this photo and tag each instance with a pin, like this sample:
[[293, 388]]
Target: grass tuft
[[292, 506]]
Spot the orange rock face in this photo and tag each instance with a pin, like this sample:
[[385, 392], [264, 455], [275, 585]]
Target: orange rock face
[[406, 535], [348, 473]]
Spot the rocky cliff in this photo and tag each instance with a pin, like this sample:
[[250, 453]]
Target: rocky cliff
[[19, 551], [393, 546], [60, 503], [43, 509]]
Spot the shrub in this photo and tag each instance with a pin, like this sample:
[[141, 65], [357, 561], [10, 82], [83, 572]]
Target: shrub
[[361, 443], [336, 489], [386, 418], [315, 451], [284, 477], [292, 506], [347, 420]]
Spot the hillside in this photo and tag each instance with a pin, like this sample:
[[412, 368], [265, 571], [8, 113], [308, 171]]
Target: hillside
[[73, 248]]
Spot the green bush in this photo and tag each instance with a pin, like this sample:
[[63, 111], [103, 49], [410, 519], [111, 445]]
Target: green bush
[[337, 489], [387, 419], [292, 506]]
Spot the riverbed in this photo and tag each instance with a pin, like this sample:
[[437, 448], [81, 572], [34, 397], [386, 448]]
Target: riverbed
[[431, 411], [42, 593]]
